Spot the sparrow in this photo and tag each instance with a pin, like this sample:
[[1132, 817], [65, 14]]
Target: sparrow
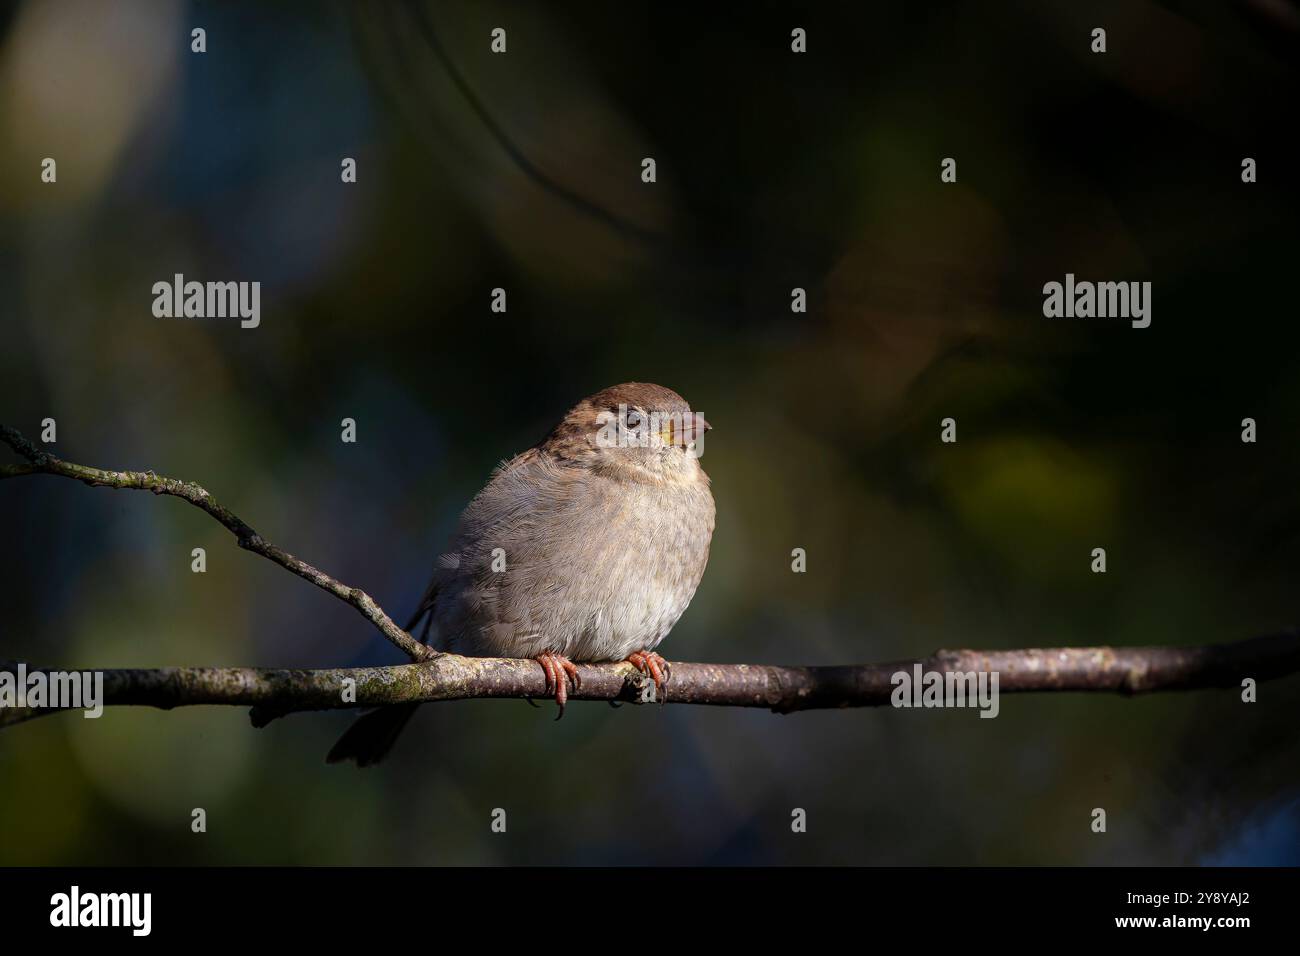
[[586, 547]]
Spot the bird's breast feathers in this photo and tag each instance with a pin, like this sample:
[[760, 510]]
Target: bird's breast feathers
[[558, 559]]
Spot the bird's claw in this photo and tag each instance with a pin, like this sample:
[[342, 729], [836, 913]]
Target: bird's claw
[[559, 671], [654, 667]]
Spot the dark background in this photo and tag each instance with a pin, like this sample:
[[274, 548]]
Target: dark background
[[775, 170]]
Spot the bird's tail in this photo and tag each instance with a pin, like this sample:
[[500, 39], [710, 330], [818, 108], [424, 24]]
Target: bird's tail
[[372, 735]]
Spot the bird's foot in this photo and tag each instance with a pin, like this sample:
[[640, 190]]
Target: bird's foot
[[559, 670], [654, 667]]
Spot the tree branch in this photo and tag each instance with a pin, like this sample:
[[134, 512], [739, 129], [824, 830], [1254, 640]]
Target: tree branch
[[437, 677], [273, 693]]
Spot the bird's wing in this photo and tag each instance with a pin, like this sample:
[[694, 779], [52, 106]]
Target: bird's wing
[[425, 610]]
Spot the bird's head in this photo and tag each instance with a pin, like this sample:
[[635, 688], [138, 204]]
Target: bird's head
[[635, 431]]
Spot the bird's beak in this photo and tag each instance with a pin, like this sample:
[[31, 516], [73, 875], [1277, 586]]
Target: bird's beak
[[693, 427], [698, 426]]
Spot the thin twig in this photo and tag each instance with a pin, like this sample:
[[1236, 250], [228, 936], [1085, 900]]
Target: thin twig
[[41, 462]]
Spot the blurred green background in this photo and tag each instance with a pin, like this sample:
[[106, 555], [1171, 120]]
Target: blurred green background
[[775, 170]]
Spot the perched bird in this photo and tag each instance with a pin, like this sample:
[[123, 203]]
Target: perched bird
[[587, 547]]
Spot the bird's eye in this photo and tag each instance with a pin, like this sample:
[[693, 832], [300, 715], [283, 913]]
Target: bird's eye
[[633, 419]]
